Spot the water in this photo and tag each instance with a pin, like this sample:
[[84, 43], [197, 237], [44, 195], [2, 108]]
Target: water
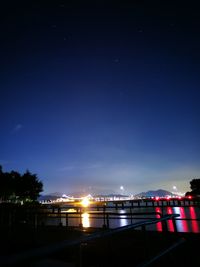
[[186, 222]]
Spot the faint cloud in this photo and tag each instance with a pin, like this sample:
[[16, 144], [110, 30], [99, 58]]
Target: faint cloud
[[81, 166], [66, 168], [4, 162], [17, 128], [92, 166], [135, 177]]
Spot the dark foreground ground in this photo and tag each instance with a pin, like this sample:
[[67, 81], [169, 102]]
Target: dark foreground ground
[[49, 246]]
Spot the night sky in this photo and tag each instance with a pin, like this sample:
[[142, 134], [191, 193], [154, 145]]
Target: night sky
[[100, 94]]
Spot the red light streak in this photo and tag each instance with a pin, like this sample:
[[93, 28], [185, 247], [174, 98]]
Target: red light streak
[[170, 222], [195, 225], [159, 224]]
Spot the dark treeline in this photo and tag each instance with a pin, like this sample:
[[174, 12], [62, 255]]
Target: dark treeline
[[16, 187]]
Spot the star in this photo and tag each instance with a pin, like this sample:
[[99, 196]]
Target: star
[[140, 30], [116, 60]]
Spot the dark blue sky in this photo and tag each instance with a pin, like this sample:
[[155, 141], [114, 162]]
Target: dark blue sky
[[95, 96]]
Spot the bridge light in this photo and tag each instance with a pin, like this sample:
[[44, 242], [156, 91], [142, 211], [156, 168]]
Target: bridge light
[[85, 202]]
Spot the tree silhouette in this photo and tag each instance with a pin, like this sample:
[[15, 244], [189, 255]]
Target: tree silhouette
[[14, 186], [195, 187], [6, 185], [29, 186]]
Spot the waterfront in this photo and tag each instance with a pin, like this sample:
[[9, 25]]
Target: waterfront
[[187, 221], [94, 235]]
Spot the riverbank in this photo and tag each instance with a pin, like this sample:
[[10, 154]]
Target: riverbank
[[118, 249]]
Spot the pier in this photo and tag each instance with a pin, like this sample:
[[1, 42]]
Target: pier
[[103, 213], [29, 241], [47, 246], [131, 203]]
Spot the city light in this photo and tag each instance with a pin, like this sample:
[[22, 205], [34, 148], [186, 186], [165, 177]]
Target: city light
[[174, 187], [85, 202]]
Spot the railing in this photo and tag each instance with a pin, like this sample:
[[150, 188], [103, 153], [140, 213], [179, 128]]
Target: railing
[[41, 218], [36, 219], [162, 253], [104, 216], [43, 252], [171, 202]]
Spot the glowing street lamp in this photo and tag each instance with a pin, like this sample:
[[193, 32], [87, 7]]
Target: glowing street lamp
[[122, 188], [174, 187], [85, 202]]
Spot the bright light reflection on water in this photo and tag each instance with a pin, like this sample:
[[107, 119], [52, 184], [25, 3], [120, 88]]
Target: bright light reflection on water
[[170, 222], [182, 225], [159, 224], [123, 219], [193, 215], [85, 220]]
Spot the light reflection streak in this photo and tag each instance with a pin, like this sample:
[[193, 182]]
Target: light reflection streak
[[85, 220], [169, 222], [159, 224], [182, 225], [123, 219], [193, 215]]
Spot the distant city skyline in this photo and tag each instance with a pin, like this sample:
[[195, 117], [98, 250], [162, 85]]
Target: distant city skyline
[[101, 95]]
